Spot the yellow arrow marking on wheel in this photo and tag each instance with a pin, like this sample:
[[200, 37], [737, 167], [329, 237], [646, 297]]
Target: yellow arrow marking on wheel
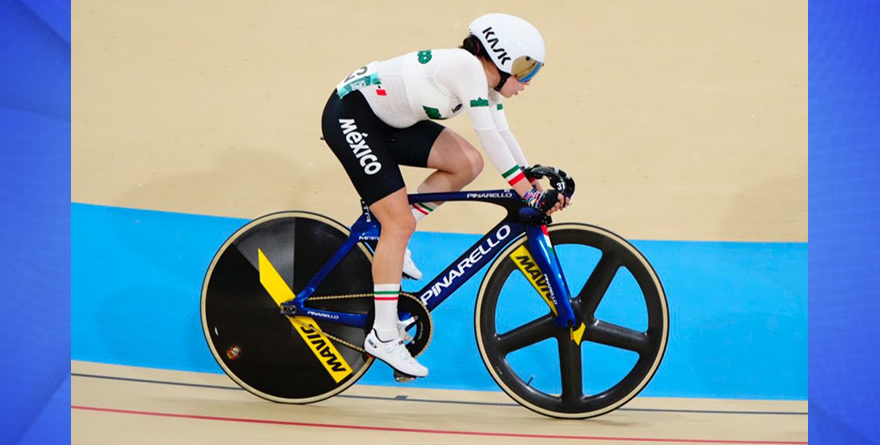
[[310, 332], [526, 264], [578, 334]]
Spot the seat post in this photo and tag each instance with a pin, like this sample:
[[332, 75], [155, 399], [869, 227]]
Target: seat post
[[368, 215]]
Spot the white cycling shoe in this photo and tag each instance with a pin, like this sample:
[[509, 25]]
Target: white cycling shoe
[[409, 267], [395, 354]]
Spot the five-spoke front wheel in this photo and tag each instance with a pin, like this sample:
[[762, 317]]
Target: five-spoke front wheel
[[516, 330]]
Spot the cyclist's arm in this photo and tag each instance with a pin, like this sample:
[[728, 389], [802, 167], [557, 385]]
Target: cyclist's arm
[[465, 78], [500, 118]]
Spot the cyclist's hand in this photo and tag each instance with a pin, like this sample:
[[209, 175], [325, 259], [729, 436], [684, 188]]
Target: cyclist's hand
[[548, 202], [561, 203]]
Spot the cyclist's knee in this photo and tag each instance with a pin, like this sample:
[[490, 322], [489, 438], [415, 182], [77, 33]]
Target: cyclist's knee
[[475, 163], [408, 225], [470, 163], [400, 225]]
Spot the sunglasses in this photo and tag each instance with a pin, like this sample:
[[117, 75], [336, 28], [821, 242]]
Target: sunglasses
[[525, 68]]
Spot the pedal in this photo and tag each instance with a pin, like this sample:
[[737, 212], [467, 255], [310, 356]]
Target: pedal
[[403, 378], [404, 335]]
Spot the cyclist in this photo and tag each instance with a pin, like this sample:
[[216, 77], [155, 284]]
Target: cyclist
[[380, 117]]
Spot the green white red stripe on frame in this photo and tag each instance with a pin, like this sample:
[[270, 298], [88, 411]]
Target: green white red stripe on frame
[[547, 238], [513, 175]]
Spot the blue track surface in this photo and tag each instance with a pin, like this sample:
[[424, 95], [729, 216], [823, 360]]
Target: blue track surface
[[738, 310]]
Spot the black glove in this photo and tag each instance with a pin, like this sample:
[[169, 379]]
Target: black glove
[[542, 201]]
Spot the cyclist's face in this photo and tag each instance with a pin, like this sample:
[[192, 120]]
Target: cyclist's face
[[512, 87]]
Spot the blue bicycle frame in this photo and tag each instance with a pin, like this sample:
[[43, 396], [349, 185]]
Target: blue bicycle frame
[[520, 218]]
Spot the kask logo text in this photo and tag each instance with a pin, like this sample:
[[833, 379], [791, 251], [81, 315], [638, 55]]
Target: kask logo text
[[489, 34]]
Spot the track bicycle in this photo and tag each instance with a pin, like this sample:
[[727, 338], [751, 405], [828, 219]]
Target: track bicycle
[[287, 302]]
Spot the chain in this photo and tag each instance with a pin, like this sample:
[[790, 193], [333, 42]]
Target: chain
[[345, 343], [340, 297]]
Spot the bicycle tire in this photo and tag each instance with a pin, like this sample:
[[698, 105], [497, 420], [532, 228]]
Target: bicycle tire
[[264, 351], [494, 347]]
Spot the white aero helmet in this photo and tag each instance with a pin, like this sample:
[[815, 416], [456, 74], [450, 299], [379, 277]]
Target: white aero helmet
[[514, 45]]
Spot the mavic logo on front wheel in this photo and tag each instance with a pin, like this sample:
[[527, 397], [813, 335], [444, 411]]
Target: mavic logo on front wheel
[[526, 264], [308, 329]]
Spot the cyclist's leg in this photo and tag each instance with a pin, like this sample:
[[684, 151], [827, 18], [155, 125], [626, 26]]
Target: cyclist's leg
[[360, 141], [457, 162], [357, 138], [428, 144], [398, 225]]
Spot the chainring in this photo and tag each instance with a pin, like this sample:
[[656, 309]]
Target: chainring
[[421, 323]]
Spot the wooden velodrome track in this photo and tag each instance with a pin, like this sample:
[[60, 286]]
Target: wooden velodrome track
[[118, 404], [681, 119]]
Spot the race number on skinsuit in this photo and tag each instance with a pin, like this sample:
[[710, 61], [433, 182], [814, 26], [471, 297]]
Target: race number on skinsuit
[[362, 77]]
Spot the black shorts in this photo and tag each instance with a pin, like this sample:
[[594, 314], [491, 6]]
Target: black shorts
[[371, 150]]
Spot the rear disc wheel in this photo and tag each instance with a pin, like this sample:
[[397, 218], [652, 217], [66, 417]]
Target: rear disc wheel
[[276, 357]]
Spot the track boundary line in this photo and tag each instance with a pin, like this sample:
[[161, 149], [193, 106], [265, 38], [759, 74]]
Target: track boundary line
[[404, 398], [429, 431]]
